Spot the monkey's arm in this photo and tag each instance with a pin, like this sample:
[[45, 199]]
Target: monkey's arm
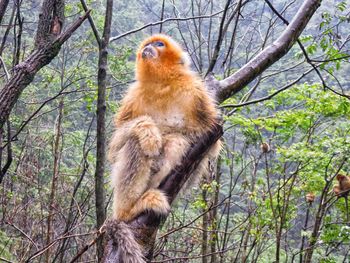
[[131, 173], [132, 149], [143, 129]]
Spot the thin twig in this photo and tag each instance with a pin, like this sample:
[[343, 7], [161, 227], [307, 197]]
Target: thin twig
[[40, 252], [269, 96], [92, 23], [161, 22], [5, 69], [90, 244], [23, 233]]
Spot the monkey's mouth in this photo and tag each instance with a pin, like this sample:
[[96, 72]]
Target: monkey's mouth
[[149, 52]]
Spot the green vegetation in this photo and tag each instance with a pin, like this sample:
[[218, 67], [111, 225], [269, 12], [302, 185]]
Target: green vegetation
[[253, 206]]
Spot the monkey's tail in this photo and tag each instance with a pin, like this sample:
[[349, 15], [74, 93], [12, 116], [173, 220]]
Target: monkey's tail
[[122, 236]]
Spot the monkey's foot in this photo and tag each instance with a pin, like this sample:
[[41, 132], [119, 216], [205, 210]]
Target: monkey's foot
[[152, 200]]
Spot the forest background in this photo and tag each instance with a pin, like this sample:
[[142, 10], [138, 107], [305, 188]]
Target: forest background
[[257, 205]]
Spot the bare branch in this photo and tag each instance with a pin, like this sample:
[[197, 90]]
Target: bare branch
[[225, 88], [23, 233], [92, 23], [220, 36], [162, 22], [285, 87], [7, 74]]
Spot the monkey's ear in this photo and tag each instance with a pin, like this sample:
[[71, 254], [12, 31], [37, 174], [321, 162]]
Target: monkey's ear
[[185, 59]]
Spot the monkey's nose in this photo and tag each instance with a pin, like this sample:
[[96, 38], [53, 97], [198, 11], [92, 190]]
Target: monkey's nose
[[149, 52]]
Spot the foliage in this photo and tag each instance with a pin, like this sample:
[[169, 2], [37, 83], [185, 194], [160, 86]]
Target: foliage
[[253, 208]]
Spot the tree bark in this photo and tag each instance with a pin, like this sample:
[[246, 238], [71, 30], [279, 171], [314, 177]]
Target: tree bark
[[51, 19], [56, 154], [3, 6], [214, 213], [303, 239], [205, 223], [101, 126]]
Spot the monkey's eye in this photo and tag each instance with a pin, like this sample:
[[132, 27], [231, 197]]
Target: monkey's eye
[[158, 44]]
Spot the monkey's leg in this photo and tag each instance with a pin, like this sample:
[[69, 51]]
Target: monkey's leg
[[130, 178], [203, 167], [174, 149], [152, 199], [144, 129]]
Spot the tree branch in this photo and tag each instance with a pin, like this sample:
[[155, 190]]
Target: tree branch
[[162, 22], [100, 194], [226, 88], [92, 23], [23, 73], [268, 97], [220, 37]]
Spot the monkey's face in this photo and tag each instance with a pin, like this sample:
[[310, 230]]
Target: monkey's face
[[160, 57], [340, 177], [152, 50]]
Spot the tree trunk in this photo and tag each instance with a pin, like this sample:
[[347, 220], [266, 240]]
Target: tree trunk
[[101, 129], [56, 154], [316, 231], [214, 212], [3, 6], [303, 239], [205, 223]]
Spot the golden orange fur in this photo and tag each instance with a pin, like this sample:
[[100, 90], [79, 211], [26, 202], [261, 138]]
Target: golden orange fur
[[343, 186], [163, 112]]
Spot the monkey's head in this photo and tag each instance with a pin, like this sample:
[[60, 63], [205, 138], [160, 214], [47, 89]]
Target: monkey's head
[[341, 177], [310, 197], [265, 147], [160, 57]]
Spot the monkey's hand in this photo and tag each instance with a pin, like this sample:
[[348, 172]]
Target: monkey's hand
[[144, 130], [149, 136]]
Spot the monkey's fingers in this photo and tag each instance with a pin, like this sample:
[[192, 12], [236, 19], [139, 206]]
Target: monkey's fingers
[[149, 137]]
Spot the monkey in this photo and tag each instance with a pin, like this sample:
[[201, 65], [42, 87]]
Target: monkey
[[310, 197], [165, 111], [342, 188], [265, 147]]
